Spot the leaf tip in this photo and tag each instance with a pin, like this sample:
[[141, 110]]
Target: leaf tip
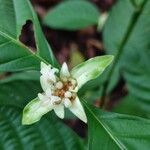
[[110, 58], [25, 118]]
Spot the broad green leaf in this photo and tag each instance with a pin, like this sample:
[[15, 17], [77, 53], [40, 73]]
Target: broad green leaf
[[137, 2], [47, 134], [133, 106], [43, 48], [129, 41], [90, 69], [28, 75], [116, 131], [15, 56], [119, 20], [72, 15]]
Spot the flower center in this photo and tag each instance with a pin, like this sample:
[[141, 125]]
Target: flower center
[[66, 89]]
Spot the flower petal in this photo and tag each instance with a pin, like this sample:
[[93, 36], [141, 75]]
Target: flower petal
[[51, 76], [59, 110], [43, 65], [67, 102], [64, 72], [48, 92], [45, 68], [44, 84], [55, 70], [90, 69], [34, 111], [42, 97], [77, 109]]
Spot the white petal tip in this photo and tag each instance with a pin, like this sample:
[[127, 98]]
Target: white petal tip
[[59, 111], [61, 117], [78, 110], [64, 72], [40, 96], [43, 65], [84, 119]]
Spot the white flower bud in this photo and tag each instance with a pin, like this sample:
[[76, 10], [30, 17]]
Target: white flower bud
[[59, 85], [64, 72], [68, 94]]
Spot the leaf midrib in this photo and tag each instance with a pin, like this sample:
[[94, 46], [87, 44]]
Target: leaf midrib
[[106, 128]]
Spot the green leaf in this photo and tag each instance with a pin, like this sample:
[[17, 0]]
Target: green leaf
[[116, 131], [90, 69], [43, 48], [28, 75], [72, 15], [137, 2], [133, 106], [130, 43], [18, 92], [15, 56], [47, 134]]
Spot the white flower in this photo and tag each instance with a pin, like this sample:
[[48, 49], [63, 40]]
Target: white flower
[[60, 89]]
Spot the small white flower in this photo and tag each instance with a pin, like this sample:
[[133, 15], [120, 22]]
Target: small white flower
[[57, 91], [60, 89]]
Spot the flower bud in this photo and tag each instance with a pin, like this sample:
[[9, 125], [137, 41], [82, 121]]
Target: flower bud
[[68, 94], [59, 85]]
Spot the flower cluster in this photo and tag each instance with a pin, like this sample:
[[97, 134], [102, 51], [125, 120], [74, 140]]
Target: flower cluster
[[60, 90]]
